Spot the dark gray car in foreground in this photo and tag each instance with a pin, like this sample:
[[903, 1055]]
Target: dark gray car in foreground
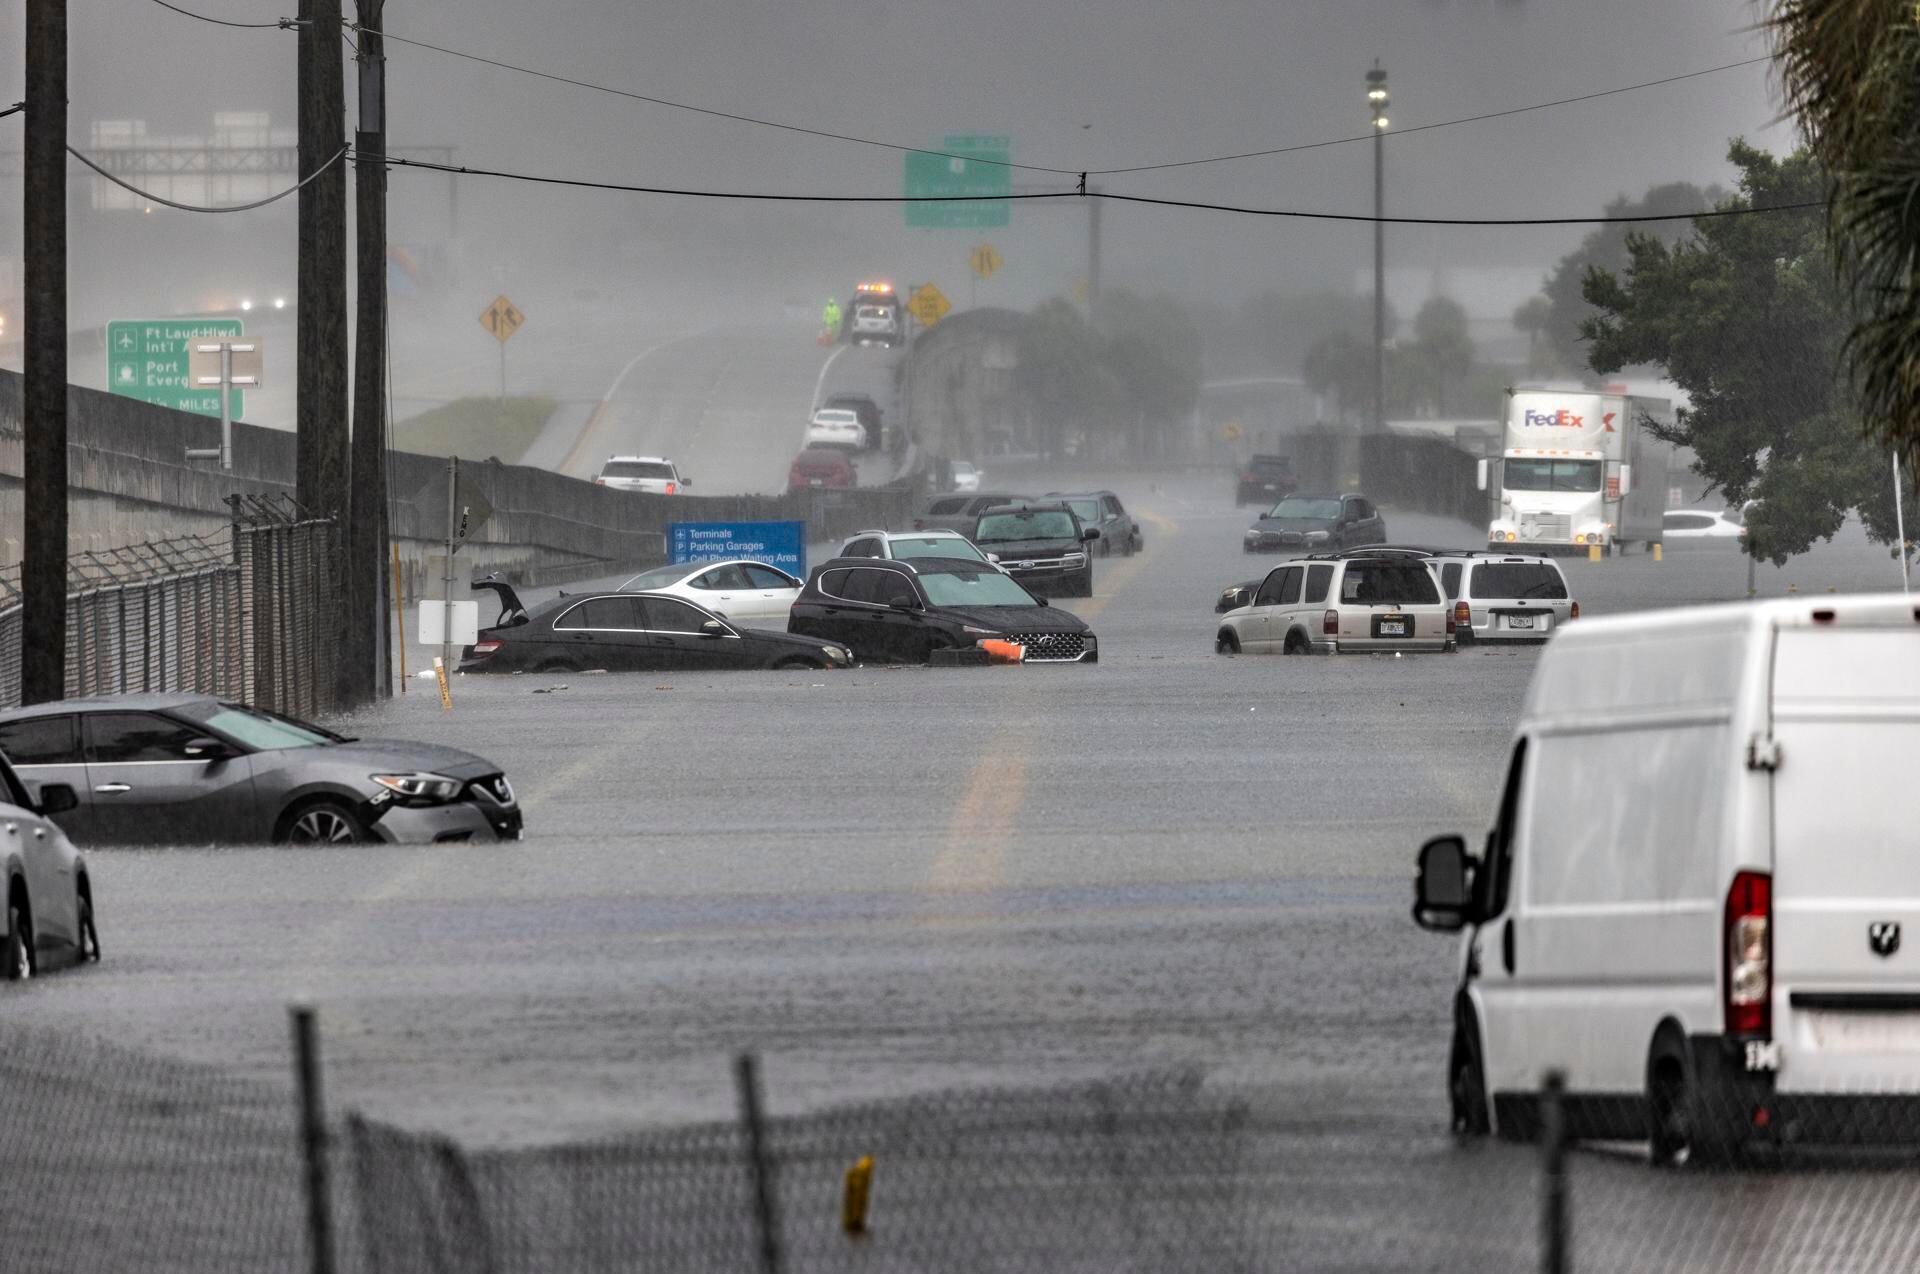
[[188, 769]]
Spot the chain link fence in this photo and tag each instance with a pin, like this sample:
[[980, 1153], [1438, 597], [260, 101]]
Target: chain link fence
[[239, 613], [119, 1160]]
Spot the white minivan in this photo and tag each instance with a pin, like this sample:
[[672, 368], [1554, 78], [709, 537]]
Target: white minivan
[[1695, 899]]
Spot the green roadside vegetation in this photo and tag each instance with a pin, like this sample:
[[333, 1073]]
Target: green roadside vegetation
[[476, 428]]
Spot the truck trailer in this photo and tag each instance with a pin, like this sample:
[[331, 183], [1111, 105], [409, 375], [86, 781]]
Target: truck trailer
[[1579, 469]]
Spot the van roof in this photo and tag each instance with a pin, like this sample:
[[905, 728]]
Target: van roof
[[1682, 661]]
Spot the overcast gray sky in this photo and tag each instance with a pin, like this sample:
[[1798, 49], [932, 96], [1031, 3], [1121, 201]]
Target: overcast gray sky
[[1108, 84]]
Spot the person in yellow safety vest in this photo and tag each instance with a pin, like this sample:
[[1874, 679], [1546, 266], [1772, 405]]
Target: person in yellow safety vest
[[830, 317]]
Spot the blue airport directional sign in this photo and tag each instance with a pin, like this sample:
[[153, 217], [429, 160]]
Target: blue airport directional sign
[[781, 544]]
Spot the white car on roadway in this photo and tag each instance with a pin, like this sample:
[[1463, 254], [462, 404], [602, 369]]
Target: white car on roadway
[[836, 427], [654, 475], [1702, 527], [911, 544], [753, 594], [49, 896], [1696, 897]]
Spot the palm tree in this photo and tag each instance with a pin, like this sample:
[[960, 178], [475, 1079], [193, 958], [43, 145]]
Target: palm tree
[[1851, 69]]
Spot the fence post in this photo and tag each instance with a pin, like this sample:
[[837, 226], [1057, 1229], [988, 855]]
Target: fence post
[[1553, 1192], [313, 1140], [746, 1072]]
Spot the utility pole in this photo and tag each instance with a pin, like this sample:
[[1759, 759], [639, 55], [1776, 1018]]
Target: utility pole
[[1377, 100], [320, 477], [43, 659], [1093, 251], [367, 656]]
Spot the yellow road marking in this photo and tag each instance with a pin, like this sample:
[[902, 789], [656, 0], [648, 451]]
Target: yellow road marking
[[972, 858], [1115, 579]]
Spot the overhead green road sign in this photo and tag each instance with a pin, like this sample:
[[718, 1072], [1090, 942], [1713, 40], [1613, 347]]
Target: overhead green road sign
[[148, 359], [976, 172]]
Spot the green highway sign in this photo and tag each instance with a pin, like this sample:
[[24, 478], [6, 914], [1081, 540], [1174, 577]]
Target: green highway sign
[[976, 171], [148, 358]]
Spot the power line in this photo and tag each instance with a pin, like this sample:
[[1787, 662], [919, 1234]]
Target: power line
[[17, 106], [1458, 221], [1082, 193], [187, 207], [717, 114], [282, 23], [1421, 128], [758, 196]]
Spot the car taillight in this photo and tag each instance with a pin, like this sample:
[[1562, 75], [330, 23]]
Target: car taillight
[[599, 482], [671, 488], [485, 647], [1462, 614], [1748, 982], [1574, 611], [1330, 623]]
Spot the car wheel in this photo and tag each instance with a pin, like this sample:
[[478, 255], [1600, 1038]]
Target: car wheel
[[1467, 1087], [16, 962], [1226, 643], [89, 935], [1668, 1134], [324, 823], [1297, 643], [796, 661], [557, 665]]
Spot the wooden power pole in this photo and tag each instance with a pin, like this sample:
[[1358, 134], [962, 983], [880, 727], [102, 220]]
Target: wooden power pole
[[367, 665], [43, 668], [320, 476]]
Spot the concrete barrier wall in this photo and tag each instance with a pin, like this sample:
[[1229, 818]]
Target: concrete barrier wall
[[130, 481]]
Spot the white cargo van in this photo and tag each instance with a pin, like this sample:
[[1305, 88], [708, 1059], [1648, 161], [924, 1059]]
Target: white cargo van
[[1700, 899]]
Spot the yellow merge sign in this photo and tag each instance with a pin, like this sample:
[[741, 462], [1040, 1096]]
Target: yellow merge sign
[[929, 304], [502, 318], [985, 260]]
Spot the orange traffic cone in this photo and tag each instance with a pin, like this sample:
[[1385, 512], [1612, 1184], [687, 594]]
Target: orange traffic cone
[[1004, 652]]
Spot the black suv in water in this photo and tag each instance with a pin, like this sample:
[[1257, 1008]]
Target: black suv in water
[[1044, 546], [1264, 480], [901, 611], [1316, 524]]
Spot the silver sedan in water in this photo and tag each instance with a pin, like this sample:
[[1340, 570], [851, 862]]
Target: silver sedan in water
[[193, 769], [49, 897]]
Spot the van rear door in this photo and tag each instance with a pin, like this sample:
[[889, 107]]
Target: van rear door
[[1846, 869]]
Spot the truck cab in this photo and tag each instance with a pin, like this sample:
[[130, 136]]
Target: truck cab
[[1577, 471]]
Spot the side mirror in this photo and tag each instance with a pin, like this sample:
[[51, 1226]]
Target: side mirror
[[1443, 890], [1089, 535], [713, 628], [206, 748], [1626, 478], [1480, 474], [903, 601], [56, 798], [686, 482]]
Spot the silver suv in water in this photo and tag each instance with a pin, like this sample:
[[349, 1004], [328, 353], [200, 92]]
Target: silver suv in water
[[1505, 597]]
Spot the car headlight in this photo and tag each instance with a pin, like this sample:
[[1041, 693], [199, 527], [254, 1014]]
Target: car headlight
[[838, 652], [1317, 537], [1253, 533], [1074, 559], [431, 789]]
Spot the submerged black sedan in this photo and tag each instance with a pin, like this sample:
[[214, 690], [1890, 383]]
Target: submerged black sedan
[[901, 611], [632, 632]]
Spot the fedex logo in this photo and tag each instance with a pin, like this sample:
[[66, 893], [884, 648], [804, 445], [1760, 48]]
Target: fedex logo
[[1562, 419]]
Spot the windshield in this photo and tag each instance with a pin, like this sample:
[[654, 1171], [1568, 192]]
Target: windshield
[[964, 589], [658, 577], [1518, 579], [1300, 506], [934, 546], [257, 729], [1552, 475], [1002, 528], [637, 469]]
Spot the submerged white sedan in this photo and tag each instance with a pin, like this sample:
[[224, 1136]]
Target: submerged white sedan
[[753, 594]]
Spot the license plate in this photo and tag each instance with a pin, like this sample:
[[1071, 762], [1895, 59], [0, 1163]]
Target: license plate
[[1519, 621], [816, 482], [1393, 626]]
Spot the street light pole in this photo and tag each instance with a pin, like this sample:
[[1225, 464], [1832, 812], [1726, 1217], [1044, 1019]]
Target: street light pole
[[1377, 100]]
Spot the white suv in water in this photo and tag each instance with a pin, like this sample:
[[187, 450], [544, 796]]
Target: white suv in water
[[1338, 603], [1505, 597], [654, 475]]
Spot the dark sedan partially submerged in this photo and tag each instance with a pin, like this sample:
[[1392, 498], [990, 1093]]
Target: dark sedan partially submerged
[[186, 769], [632, 632], [896, 611]]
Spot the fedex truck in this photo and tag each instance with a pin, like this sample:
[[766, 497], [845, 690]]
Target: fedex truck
[[1579, 469]]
